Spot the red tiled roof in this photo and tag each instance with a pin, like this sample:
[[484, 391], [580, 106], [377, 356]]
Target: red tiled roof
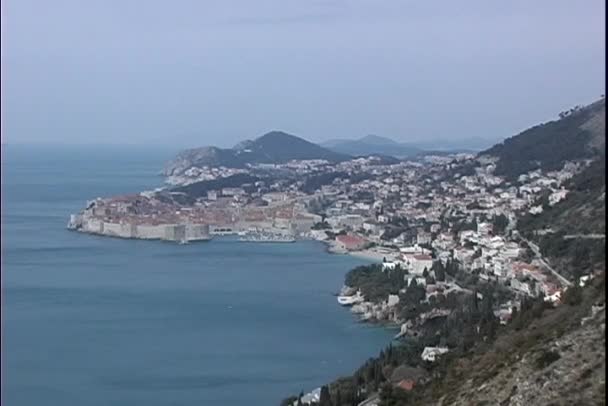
[[406, 384], [350, 239], [421, 257]]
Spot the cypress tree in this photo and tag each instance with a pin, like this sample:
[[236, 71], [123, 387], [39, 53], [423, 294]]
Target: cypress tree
[[325, 398]]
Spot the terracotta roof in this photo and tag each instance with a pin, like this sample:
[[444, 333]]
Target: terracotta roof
[[421, 257], [406, 384], [350, 239]]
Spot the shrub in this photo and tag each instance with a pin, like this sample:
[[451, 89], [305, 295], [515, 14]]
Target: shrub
[[547, 358]]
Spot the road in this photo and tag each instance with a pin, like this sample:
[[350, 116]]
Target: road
[[540, 259], [371, 401], [585, 236]]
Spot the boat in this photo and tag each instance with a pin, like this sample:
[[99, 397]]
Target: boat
[[350, 300], [183, 241]]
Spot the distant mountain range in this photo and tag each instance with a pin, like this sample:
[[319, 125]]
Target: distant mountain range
[[279, 147], [373, 144], [273, 147]]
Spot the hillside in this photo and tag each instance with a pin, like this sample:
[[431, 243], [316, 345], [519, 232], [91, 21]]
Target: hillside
[[271, 148], [545, 354], [556, 358], [578, 134]]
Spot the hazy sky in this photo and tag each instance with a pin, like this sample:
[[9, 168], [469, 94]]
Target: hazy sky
[[215, 72]]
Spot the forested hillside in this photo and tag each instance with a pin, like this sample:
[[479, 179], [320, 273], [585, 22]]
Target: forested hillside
[[577, 134]]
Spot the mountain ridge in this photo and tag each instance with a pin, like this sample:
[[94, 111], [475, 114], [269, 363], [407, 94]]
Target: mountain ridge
[[270, 148], [578, 133], [373, 144]]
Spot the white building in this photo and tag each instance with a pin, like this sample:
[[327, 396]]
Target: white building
[[417, 263], [430, 354]]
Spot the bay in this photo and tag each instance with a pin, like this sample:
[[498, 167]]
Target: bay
[[99, 321]]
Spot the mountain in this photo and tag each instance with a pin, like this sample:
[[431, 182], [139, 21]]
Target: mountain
[[370, 145], [271, 148], [373, 144], [578, 134], [466, 144]]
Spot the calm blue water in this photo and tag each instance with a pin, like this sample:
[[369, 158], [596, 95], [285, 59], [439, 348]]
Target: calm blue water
[[98, 321]]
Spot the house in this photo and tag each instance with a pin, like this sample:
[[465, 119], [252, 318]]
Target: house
[[557, 196], [354, 221], [232, 191], [415, 249], [430, 353], [392, 300], [422, 237], [373, 227], [350, 242], [417, 263], [484, 228]]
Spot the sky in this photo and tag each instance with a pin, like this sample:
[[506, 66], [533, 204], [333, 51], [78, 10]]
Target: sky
[[206, 72]]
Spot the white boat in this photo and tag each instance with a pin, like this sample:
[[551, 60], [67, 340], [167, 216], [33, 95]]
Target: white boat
[[350, 300], [183, 241]]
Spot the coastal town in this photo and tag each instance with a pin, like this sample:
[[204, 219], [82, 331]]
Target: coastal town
[[446, 225], [410, 214]]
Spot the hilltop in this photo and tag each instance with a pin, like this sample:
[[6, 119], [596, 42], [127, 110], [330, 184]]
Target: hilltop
[[271, 148], [579, 133]]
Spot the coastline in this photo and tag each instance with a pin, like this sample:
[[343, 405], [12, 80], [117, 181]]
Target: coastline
[[367, 254]]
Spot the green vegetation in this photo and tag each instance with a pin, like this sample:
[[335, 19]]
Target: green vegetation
[[499, 224], [271, 148], [546, 358], [375, 284], [547, 146], [200, 189]]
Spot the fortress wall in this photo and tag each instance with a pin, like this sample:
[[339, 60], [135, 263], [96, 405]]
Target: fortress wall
[[92, 226], [175, 232], [128, 230], [114, 229], [171, 232], [197, 231], [150, 232]]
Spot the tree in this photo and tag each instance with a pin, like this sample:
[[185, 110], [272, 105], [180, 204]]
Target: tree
[[324, 397], [500, 223], [393, 396], [574, 294], [440, 273], [338, 401]]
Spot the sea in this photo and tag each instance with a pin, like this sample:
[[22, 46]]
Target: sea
[[98, 321]]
